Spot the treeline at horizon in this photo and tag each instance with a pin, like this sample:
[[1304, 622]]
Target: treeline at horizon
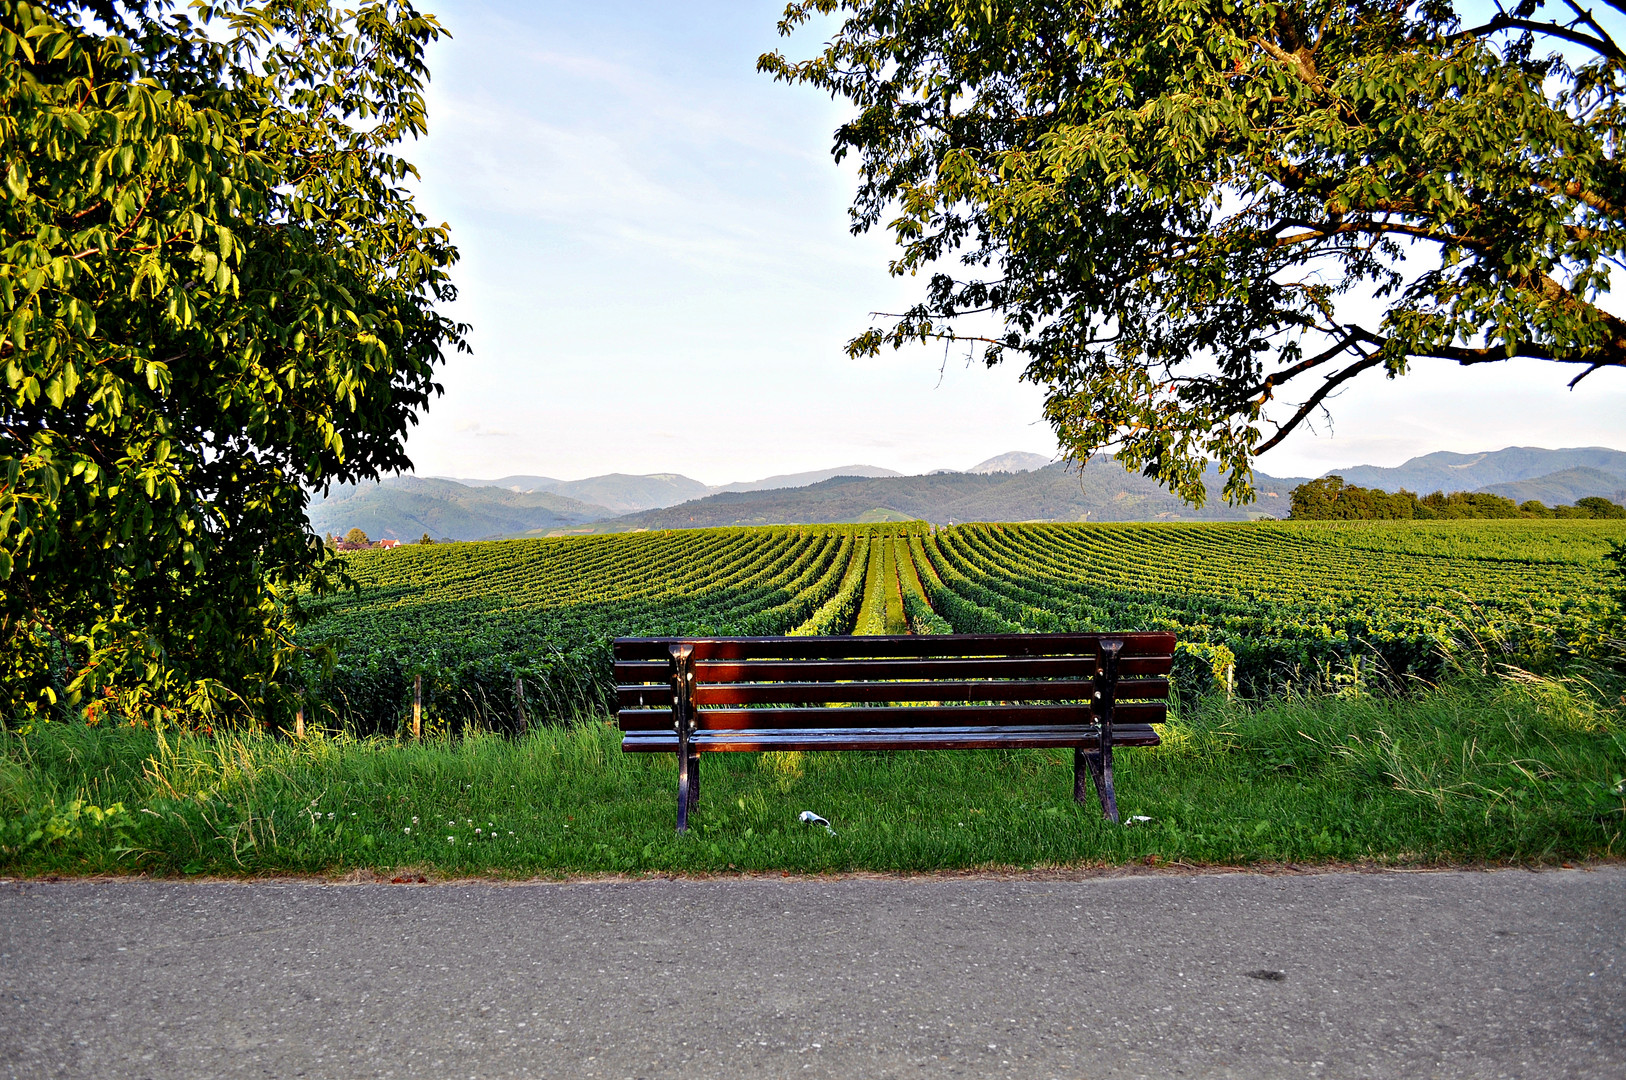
[[1331, 499]]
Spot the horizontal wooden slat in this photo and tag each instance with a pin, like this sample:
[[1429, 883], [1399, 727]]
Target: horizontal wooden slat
[[1138, 643], [946, 738], [657, 695], [644, 696], [636, 671], [947, 667], [891, 716]]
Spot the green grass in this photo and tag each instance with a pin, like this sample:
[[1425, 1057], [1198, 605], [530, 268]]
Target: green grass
[[1492, 771]]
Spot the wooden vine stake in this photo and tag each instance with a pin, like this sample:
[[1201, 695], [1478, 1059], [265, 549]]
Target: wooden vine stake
[[417, 706], [299, 718]]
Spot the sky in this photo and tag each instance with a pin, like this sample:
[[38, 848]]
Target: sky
[[657, 267]]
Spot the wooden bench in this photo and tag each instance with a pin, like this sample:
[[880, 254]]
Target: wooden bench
[[1091, 692]]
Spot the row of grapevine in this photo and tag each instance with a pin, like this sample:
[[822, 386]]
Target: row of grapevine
[[882, 611], [517, 631], [1282, 602], [917, 605], [506, 632], [838, 613]]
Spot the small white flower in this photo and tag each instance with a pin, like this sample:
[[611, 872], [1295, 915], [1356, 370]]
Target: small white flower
[[407, 830], [330, 815], [451, 839], [477, 832], [414, 821]]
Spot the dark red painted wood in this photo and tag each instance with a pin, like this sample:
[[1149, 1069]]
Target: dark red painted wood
[[641, 696], [901, 717], [891, 738], [947, 667]]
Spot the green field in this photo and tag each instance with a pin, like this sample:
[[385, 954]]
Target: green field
[[507, 632], [1325, 746]]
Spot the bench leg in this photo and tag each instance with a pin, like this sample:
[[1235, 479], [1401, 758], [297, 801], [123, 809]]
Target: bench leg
[[1099, 761], [686, 791], [688, 761], [1099, 766]]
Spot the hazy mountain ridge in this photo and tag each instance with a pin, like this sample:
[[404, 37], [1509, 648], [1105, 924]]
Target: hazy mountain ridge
[[803, 479], [622, 493], [1014, 462], [1448, 471], [1102, 491], [406, 507], [1564, 488]]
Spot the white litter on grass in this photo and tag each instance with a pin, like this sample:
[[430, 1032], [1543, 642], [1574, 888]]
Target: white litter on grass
[[808, 817], [1137, 819]]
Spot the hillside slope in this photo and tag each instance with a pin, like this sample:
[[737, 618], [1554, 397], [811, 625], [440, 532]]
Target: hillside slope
[[406, 507], [1564, 487], [1103, 491]]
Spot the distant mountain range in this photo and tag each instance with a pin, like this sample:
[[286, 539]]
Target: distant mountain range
[[1102, 491], [1014, 462], [1565, 475], [1011, 487], [406, 507]]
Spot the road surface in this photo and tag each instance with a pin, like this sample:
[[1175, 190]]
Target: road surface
[[1461, 974]]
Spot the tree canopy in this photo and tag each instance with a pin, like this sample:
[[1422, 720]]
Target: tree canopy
[[1167, 209], [217, 294], [1331, 499]]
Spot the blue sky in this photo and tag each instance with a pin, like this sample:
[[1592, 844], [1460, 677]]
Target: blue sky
[[657, 267]]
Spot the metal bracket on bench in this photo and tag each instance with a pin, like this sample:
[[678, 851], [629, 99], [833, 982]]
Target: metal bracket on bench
[[683, 720], [1099, 761]]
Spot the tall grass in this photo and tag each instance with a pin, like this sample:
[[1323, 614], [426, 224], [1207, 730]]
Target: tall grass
[[1483, 770]]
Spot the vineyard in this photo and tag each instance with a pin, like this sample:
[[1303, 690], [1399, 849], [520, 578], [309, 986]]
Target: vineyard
[[512, 632]]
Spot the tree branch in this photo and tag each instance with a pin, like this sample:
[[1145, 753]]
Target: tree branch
[[1332, 383], [1604, 47]]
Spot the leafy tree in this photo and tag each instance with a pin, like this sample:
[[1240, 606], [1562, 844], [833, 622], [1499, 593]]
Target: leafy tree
[[217, 294], [1596, 506], [1331, 499], [1157, 205], [356, 537], [426, 539], [1468, 504]]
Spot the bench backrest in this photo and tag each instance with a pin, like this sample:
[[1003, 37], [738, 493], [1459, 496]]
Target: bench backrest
[[937, 682]]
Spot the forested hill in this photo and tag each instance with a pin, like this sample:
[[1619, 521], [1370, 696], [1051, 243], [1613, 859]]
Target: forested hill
[[1103, 491], [406, 507]]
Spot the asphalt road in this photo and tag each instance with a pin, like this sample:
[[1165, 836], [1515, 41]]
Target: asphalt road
[[1507, 974]]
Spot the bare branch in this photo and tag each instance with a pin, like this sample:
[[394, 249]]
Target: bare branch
[[1332, 383], [1604, 47]]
